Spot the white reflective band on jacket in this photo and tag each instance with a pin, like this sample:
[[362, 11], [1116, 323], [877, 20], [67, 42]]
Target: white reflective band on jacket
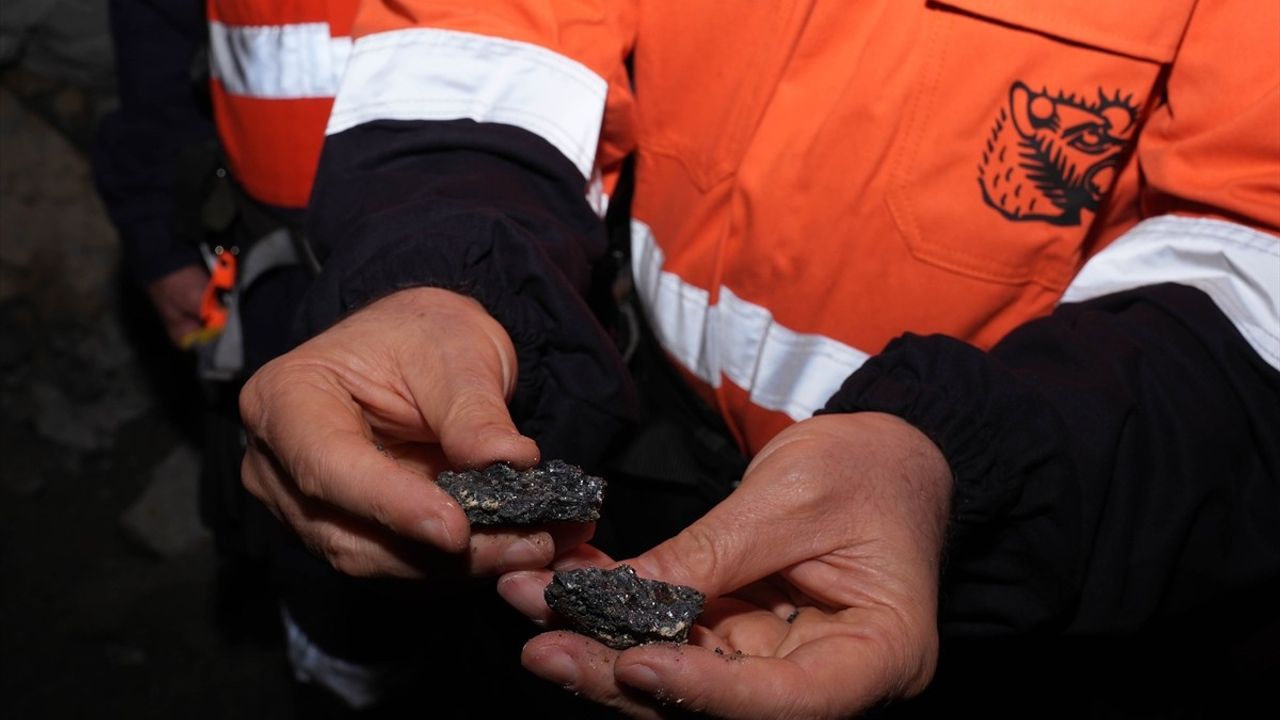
[[277, 62], [360, 686], [429, 74], [795, 373], [784, 370], [1236, 266]]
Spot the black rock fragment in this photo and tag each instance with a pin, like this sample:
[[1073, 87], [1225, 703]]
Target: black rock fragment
[[552, 492], [622, 610]]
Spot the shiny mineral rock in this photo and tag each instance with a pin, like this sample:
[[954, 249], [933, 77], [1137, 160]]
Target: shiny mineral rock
[[622, 610], [552, 492]]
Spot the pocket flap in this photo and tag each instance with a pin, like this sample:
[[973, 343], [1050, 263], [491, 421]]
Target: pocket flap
[[1151, 31]]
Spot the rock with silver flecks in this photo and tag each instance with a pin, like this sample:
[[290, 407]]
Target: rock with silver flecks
[[622, 610], [552, 492]]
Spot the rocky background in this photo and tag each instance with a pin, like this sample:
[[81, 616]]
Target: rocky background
[[112, 601]]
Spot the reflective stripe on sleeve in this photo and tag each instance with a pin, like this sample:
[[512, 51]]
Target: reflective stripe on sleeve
[[1236, 266], [433, 74], [781, 369], [277, 62]]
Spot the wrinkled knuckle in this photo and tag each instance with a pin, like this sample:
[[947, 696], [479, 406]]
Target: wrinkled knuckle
[[349, 564], [312, 465], [251, 479], [701, 554], [253, 397], [308, 483], [335, 548], [381, 513], [468, 405]]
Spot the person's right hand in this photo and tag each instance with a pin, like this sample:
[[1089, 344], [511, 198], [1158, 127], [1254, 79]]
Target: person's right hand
[[176, 297], [822, 570], [347, 432]]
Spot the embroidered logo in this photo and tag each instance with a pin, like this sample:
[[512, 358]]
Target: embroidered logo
[[1051, 156]]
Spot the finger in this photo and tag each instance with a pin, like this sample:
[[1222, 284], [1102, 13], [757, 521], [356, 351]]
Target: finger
[[464, 398], [767, 595], [745, 627], [358, 547], [570, 535], [752, 533], [584, 666], [505, 550], [726, 549], [524, 591], [583, 556], [351, 547], [426, 459], [497, 551], [829, 677], [473, 424], [182, 331], [316, 433], [707, 638]]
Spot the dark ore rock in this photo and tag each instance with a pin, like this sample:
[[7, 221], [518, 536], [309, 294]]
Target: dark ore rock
[[498, 495], [622, 610]]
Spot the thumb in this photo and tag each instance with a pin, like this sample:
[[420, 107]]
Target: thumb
[[475, 427], [781, 514], [463, 393], [733, 545]]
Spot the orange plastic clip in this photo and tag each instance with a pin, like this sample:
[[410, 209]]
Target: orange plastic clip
[[222, 278]]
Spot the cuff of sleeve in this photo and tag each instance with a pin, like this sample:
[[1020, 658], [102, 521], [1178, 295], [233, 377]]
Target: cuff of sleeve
[[989, 427], [571, 395]]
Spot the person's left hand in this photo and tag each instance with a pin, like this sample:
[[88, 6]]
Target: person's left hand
[[176, 297], [823, 568]]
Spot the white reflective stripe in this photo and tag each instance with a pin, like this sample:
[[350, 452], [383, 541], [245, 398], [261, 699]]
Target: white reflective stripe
[[359, 686], [597, 198], [277, 62], [677, 311], [781, 369], [432, 74], [1236, 266], [341, 49], [795, 373]]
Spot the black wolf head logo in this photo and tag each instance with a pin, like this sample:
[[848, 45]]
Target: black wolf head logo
[[1049, 157]]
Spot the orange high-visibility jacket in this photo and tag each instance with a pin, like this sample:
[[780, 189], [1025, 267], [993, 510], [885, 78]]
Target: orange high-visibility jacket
[[816, 178], [275, 68]]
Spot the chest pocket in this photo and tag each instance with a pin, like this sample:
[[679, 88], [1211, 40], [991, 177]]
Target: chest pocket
[[1023, 119]]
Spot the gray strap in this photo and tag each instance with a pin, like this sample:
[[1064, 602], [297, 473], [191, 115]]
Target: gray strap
[[223, 359]]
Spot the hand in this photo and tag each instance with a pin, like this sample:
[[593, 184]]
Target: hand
[[176, 297], [347, 432], [824, 564]]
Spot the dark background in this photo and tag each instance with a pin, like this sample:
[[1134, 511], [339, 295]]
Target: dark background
[[112, 602]]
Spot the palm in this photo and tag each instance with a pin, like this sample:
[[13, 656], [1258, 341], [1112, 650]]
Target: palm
[[842, 518]]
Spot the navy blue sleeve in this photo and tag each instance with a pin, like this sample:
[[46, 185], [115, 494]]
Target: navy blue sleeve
[[161, 112], [1116, 464], [493, 212]]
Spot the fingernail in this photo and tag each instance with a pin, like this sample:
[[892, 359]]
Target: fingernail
[[520, 591], [640, 677], [523, 554], [438, 533], [555, 666]]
